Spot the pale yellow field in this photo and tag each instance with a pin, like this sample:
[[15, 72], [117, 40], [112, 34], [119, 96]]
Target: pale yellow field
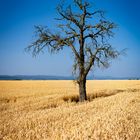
[[39, 110]]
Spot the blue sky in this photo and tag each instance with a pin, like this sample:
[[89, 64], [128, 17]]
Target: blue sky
[[17, 20]]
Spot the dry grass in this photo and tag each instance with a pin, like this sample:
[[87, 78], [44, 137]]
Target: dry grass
[[39, 110]]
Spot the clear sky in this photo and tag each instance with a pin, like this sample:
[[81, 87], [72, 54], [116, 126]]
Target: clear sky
[[17, 20]]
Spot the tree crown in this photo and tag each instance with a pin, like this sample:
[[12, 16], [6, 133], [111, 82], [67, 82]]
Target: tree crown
[[85, 31]]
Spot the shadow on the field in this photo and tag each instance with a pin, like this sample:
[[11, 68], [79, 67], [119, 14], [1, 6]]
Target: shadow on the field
[[133, 90], [104, 93], [72, 98], [92, 96]]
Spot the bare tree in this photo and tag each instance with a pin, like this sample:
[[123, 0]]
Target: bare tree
[[86, 32]]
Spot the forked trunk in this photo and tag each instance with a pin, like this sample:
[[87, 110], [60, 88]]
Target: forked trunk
[[82, 90]]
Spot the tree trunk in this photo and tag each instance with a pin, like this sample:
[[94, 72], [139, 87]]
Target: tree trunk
[[82, 90]]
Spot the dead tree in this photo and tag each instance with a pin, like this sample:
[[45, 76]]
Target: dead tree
[[86, 32]]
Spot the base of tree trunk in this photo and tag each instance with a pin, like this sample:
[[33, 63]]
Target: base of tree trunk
[[82, 98]]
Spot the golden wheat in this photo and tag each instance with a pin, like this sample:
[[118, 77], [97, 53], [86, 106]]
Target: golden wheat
[[49, 110]]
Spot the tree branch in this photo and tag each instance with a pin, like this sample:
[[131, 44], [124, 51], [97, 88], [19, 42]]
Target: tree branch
[[68, 15]]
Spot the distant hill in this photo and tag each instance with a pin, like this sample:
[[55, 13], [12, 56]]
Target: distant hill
[[49, 77], [34, 77]]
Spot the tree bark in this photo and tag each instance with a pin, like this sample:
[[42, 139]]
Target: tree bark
[[82, 90]]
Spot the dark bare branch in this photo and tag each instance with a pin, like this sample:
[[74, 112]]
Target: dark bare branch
[[104, 28], [101, 55], [68, 15]]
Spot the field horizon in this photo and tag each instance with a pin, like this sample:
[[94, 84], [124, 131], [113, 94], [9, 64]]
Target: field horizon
[[50, 110]]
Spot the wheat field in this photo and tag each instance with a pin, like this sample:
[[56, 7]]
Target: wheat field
[[49, 110]]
